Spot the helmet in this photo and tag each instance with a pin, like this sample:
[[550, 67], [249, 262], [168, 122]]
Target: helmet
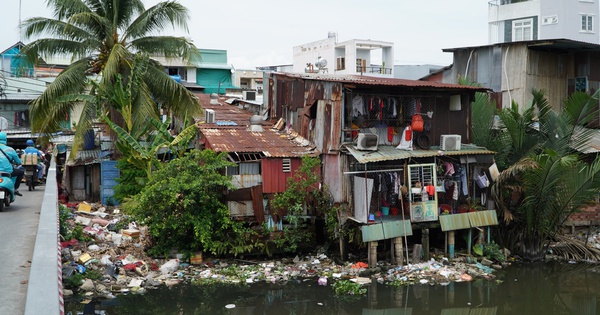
[[29, 143], [3, 137]]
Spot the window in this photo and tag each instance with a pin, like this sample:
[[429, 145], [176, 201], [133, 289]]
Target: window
[[587, 23], [522, 30]]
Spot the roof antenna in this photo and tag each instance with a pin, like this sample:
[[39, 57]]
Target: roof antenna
[[20, 28]]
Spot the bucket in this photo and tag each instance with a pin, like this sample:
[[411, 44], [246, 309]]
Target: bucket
[[385, 210]]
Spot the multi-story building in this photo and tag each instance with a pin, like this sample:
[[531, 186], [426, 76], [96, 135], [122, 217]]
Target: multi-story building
[[523, 20], [356, 56]]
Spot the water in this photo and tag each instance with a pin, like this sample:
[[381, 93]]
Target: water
[[541, 288]]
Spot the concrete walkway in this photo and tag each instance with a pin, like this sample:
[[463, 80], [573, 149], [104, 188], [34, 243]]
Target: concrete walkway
[[18, 228]]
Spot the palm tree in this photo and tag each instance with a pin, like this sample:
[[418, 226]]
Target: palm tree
[[548, 179], [102, 37]]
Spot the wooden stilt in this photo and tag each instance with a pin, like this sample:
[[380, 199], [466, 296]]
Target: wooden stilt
[[398, 251], [451, 243], [373, 254], [425, 242]]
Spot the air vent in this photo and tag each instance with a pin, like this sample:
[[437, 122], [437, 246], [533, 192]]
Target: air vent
[[450, 142], [287, 165], [209, 116], [367, 142]]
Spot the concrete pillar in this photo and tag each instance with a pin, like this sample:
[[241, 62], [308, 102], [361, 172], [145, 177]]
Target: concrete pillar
[[425, 242], [398, 251], [451, 243], [373, 254], [481, 236]]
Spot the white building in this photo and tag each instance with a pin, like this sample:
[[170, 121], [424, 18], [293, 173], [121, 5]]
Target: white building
[[356, 56], [520, 20]]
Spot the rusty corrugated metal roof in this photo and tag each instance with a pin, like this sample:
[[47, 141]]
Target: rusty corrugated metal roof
[[368, 80], [390, 153], [269, 142]]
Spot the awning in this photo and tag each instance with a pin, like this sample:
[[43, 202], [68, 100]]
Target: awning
[[390, 153]]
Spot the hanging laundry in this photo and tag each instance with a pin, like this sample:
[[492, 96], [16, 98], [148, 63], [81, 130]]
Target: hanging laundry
[[358, 106]]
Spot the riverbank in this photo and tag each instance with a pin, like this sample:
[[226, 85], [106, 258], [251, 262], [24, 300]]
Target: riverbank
[[110, 259]]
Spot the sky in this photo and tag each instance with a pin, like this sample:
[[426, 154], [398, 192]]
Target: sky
[[264, 32]]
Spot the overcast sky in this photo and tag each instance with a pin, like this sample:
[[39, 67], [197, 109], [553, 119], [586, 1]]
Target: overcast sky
[[264, 32]]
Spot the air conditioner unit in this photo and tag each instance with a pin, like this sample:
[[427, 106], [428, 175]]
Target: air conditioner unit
[[367, 142], [209, 116], [450, 142], [249, 95]]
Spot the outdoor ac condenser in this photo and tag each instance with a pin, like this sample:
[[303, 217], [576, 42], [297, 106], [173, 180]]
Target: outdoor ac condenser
[[367, 142], [450, 142]]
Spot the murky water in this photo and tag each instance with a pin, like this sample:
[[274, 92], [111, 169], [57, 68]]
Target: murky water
[[541, 288]]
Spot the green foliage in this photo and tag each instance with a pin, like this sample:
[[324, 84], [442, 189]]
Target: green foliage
[[92, 274], [130, 182], [183, 209], [73, 282], [64, 214], [547, 180], [345, 288], [302, 191], [492, 251]]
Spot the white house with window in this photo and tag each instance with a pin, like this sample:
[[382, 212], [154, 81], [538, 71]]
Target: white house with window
[[356, 56], [523, 20]]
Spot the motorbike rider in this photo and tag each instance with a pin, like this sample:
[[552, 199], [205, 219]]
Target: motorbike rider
[[30, 149], [7, 160]]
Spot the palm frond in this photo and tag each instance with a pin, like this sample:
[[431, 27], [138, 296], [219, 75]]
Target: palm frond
[[168, 46], [171, 94], [46, 114], [157, 18]]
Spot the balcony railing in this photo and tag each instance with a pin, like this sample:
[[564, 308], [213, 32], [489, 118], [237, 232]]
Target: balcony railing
[[494, 3], [371, 69]]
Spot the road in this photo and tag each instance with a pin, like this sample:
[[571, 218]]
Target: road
[[18, 228]]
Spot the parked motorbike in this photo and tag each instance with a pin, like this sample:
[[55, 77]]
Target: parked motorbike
[[7, 190]]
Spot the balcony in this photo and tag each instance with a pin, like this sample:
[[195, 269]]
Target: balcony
[[495, 3], [373, 69]]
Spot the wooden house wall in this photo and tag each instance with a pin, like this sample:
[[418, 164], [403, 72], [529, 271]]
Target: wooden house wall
[[274, 179], [334, 167], [548, 72]]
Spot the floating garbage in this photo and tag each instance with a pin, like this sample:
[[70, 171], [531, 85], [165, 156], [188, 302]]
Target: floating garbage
[[230, 306]]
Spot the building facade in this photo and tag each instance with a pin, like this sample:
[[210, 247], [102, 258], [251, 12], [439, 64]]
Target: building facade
[[524, 20], [369, 57]]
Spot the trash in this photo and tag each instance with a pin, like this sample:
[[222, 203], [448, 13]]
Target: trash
[[465, 277], [196, 258], [170, 266], [84, 207], [83, 220], [133, 233], [361, 280], [135, 283], [359, 265], [94, 247], [230, 306], [322, 281], [84, 258]]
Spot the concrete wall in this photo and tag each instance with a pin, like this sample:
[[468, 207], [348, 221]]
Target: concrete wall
[[44, 291]]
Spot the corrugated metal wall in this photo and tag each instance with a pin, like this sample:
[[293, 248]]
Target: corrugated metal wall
[[274, 179]]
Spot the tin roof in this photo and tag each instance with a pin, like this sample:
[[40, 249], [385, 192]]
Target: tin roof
[[368, 80], [559, 44], [269, 142], [226, 114], [390, 153]]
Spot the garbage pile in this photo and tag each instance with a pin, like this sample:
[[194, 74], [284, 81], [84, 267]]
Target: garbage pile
[[112, 261]]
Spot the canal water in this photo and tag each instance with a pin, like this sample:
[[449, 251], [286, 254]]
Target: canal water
[[539, 288]]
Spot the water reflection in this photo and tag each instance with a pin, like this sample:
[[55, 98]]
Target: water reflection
[[549, 288]]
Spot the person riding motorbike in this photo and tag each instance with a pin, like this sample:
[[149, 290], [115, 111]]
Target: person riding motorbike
[[8, 157], [30, 149]]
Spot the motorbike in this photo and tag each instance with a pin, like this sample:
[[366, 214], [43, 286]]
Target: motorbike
[[7, 190], [31, 176]]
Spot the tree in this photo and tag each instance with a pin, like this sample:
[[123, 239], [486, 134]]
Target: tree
[[182, 204], [102, 37], [548, 179]]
